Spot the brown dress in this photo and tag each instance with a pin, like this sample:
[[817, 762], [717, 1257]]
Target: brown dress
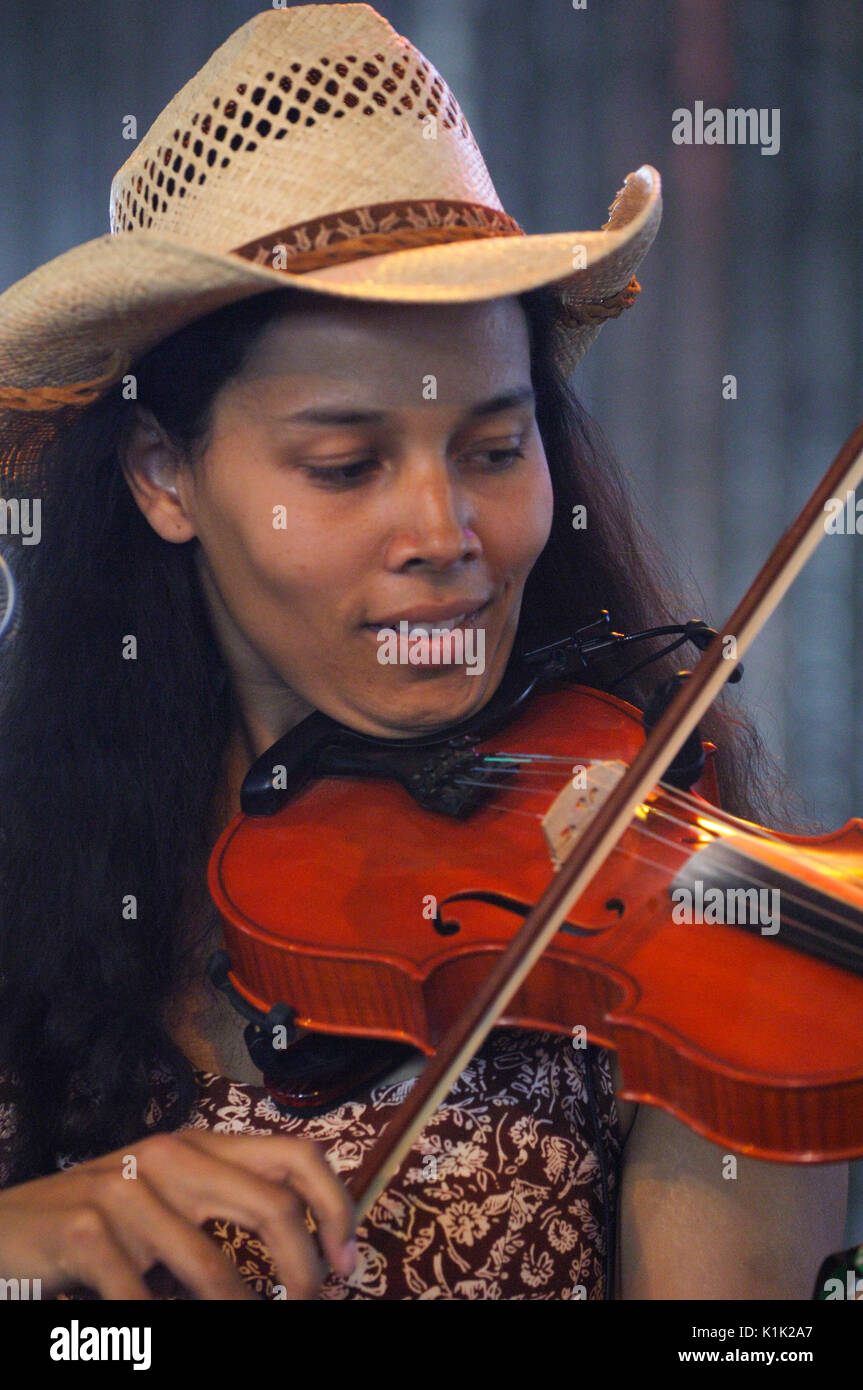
[[500, 1198]]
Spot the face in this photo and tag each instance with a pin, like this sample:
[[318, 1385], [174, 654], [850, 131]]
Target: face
[[373, 466]]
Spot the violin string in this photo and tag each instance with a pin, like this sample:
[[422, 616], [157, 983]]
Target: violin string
[[757, 882], [640, 859], [618, 849], [513, 787], [686, 800], [538, 815], [752, 879], [664, 868], [812, 933], [673, 793], [537, 758], [824, 893]]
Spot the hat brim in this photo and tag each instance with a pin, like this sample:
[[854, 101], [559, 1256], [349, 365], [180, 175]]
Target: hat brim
[[125, 293]]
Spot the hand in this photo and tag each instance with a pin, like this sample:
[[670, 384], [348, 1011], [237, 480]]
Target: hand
[[91, 1225]]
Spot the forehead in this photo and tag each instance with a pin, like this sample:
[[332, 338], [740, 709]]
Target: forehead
[[391, 351]]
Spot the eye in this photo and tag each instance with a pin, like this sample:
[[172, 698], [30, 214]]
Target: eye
[[347, 475], [501, 457], [342, 475]]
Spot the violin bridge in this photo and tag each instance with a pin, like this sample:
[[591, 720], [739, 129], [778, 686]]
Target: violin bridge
[[579, 801]]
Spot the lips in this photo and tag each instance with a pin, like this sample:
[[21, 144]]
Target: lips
[[447, 616], [438, 624]]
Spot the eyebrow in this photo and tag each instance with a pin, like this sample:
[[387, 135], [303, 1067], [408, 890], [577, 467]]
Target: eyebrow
[[327, 415]]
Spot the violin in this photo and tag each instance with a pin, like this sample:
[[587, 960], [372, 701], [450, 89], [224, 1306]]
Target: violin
[[373, 916], [527, 868]]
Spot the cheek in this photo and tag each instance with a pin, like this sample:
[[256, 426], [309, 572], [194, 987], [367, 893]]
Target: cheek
[[528, 520], [267, 546]]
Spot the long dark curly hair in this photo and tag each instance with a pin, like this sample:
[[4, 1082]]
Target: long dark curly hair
[[109, 767]]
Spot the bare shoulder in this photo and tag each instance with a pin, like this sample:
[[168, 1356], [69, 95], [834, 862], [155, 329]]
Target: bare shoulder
[[700, 1221]]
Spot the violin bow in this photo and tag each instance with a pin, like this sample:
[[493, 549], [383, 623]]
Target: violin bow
[[599, 837]]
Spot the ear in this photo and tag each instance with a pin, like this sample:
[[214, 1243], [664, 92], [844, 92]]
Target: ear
[[153, 469]]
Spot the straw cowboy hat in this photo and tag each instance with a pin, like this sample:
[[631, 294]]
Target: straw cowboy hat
[[316, 148]]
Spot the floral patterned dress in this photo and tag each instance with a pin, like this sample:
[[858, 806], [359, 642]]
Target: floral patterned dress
[[500, 1198]]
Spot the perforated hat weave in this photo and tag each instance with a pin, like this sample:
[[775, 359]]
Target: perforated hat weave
[[316, 148]]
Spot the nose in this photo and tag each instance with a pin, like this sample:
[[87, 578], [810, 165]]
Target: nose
[[435, 520]]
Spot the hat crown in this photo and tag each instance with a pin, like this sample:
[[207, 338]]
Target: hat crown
[[300, 114]]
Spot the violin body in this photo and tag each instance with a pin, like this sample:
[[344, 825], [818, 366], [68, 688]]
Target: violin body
[[374, 917]]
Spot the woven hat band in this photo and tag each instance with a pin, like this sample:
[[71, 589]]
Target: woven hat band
[[373, 230], [584, 313], [75, 393]]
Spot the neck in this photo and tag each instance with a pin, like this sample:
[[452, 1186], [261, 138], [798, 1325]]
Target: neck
[[266, 707]]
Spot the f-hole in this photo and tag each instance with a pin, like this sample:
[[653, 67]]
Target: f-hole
[[445, 928]]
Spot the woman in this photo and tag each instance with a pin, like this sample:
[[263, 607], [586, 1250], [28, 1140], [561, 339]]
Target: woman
[[231, 519]]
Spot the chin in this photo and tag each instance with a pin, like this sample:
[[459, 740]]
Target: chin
[[434, 702]]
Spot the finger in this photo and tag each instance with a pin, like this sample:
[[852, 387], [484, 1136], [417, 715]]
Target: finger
[[285, 1232], [90, 1253], [202, 1187], [151, 1231], [299, 1162]]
